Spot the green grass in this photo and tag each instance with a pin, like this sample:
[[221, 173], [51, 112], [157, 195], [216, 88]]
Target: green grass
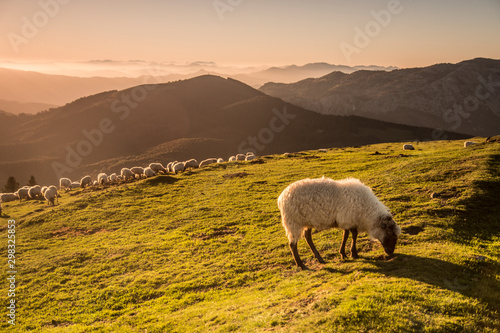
[[202, 252]]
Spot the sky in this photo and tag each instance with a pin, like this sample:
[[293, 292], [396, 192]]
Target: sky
[[240, 33]]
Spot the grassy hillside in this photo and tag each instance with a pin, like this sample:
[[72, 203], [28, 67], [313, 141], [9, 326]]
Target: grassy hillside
[[205, 250]]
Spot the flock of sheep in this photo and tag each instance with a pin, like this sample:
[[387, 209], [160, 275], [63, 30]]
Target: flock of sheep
[[50, 192]]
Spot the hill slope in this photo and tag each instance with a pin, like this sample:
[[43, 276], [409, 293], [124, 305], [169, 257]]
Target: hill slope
[[110, 130], [203, 251], [462, 97]]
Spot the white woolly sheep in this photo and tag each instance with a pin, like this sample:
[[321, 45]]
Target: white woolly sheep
[[240, 157], [7, 197], [137, 171], [250, 157], [323, 150], [65, 183], [44, 188], [102, 178], [23, 193], [35, 192], [192, 163], [157, 167], [232, 159], [324, 203], [220, 160], [113, 177], [148, 172], [85, 181], [95, 183], [170, 166], [408, 147], [178, 167], [208, 161], [469, 143], [126, 173], [51, 194], [75, 184]]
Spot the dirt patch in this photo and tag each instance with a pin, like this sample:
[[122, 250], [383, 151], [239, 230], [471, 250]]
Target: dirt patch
[[216, 233], [236, 175], [413, 230], [70, 232]]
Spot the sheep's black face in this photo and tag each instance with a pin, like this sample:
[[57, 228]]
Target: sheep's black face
[[391, 232]]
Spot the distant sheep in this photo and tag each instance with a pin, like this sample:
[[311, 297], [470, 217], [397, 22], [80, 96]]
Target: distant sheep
[[75, 184], [220, 160], [208, 161], [250, 157], [240, 157], [86, 181], [102, 178], [323, 150], [126, 174], [178, 167], [408, 147], [157, 167], [64, 183], [170, 166], [137, 171], [51, 194], [232, 159], [23, 193], [7, 197], [95, 183], [44, 188], [113, 177], [192, 163], [35, 192], [469, 143], [324, 203], [148, 172]]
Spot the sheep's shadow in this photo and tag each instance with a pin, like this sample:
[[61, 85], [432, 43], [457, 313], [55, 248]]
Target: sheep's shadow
[[162, 179], [469, 279]]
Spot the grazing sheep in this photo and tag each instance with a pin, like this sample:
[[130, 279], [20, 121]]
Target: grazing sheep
[[170, 166], [65, 183], [240, 157], [7, 197], [113, 177], [137, 171], [126, 173], [148, 172], [469, 143], [102, 178], [220, 160], [95, 183], [323, 150], [157, 167], [232, 159], [324, 203], [75, 184], [51, 194], [35, 192], [208, 161], [408, 147], [250, 157], [85, 181], [44, 188], [23, 193], [177, 167], [192, 163]]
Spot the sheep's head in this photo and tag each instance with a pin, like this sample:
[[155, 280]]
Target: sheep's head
[[387, 233]]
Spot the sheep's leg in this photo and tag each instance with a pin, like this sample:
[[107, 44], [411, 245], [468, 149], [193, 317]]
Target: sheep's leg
[[295, 253], [342, 246], [354, 252], [309, 240]]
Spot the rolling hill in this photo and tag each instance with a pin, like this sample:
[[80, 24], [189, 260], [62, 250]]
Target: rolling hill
[[204, 251], [463, 97], [198, 118]]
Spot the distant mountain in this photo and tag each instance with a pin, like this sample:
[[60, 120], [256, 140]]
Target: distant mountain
[[463, 97], [207, 116], [17, 107], [293, 73]]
